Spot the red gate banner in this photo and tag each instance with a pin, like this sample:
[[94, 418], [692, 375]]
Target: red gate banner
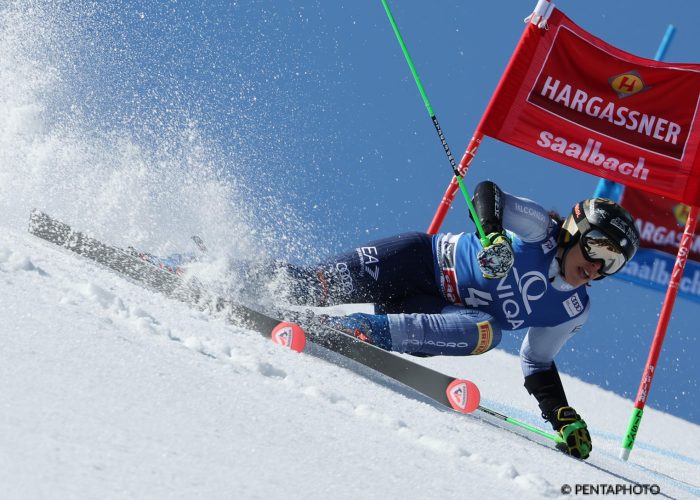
[[660, 221], [577, 100]]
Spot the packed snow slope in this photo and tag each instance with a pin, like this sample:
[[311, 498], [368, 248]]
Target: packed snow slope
[[270, 129], [112, 391]]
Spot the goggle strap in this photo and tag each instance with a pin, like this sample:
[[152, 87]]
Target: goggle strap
[[581, 221]]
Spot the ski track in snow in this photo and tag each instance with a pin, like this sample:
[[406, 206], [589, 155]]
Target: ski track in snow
[[405, 436], [113, 310]]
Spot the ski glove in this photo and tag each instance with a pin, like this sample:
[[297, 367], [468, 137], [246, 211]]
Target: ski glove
[[496, 258], [573, 431]]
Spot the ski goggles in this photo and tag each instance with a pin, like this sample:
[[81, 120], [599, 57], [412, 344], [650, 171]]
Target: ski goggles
[[598, 247]]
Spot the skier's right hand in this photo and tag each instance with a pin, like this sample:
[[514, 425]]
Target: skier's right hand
[[576, 440], [496, 258]]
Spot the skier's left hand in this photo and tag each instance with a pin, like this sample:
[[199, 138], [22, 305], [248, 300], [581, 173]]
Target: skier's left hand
[[496, 258]]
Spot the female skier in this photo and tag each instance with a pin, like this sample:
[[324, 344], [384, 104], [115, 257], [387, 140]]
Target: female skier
[[446, 295]]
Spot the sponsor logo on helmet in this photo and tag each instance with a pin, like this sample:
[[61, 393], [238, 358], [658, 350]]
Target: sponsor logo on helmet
[[600, 207], [628, 84], [628, 229], [485, 337], [619, 223]]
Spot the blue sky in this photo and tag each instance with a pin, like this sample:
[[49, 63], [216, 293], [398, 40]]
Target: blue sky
[[311, 103]]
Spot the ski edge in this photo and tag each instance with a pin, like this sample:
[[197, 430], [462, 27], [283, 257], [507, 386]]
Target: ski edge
[[457, 394]]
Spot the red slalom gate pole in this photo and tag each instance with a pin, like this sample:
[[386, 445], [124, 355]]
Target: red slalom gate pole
[[655, 350], [451, 191]]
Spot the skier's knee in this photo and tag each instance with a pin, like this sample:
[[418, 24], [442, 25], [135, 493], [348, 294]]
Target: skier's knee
[[481, 331]]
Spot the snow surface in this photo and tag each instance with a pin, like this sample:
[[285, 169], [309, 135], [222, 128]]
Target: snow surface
[[111, 391]]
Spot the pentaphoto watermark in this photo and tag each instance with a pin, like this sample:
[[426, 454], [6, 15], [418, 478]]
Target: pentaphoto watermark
[[610, 489]]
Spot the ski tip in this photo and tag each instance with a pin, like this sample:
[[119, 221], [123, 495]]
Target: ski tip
[[289, 335], [463, 395]]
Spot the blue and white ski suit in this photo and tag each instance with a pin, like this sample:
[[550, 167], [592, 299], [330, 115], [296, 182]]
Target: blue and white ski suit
[[437, 302]]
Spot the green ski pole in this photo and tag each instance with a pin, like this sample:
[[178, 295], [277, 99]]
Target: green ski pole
[[484, 240], [438, 129], [536, 430]]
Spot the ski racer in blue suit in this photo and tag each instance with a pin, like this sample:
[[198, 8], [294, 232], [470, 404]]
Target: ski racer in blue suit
[[446, 295]]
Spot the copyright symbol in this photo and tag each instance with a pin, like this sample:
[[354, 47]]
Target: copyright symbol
[[566, 489]]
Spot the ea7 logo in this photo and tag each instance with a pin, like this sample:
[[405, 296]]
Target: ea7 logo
[[370, 263]]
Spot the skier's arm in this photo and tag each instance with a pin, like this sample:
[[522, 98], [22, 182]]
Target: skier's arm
[[496, 257], [541, 344], [529, 220], [489, 204], [539, 347], [542, 380], [497, 211]]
